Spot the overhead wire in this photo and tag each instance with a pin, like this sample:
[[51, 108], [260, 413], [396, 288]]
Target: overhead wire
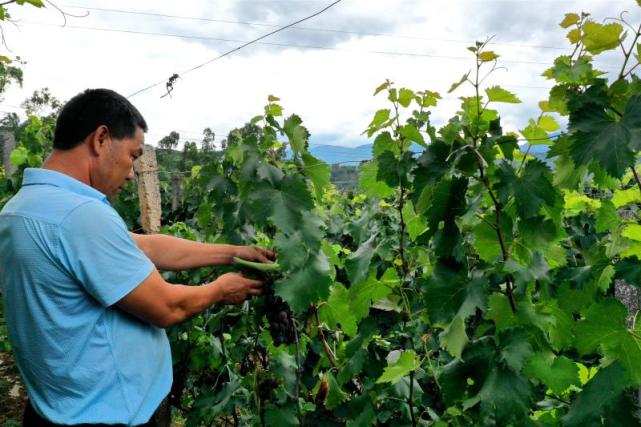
[[299, 46], [313, 29], [239, 47]]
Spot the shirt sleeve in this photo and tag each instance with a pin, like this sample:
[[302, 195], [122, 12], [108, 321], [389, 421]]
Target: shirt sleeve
[[99, 253]]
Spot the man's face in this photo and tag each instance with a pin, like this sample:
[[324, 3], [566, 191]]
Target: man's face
[[117, 165]]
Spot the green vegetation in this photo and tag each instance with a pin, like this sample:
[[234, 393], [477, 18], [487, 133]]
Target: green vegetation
[[470, 284]]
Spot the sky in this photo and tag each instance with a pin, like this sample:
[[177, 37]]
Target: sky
[[325, 70]]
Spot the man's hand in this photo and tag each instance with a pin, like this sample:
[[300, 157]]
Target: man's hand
[[234, 288], [254, 253]]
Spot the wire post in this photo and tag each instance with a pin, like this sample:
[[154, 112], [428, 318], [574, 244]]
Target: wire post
[[8, 145], [146, 168]]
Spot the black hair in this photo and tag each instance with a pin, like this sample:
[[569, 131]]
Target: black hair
[[83, 113]]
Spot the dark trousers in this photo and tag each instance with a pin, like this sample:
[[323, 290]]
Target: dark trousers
[[32, 419]]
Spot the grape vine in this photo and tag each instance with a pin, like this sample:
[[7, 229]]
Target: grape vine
[[467, 283]]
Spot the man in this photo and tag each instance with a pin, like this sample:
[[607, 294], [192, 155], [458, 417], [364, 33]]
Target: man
[[83, 299]]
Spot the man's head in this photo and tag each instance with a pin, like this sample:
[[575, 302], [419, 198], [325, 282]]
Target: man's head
[[108, 129]]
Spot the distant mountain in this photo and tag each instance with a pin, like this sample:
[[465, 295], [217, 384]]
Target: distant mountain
[[337, 154]]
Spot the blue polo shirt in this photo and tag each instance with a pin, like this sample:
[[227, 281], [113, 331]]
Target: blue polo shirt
[[65, 258]]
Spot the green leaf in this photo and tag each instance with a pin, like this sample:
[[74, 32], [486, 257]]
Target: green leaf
[[357, 265], [307, 286], [454, 338], [405, 97], [336, 395], [603, 325], [285, 207], [19, 156], [410, 132], [369, 184], [337, 311], [382, 87], [384, 142], [319, 173], [557, 373], [548, 124], [498, 94], [487, 56], [599, 137], [569, 20], [532, 191], [448, 202], [370, 290], [275, 416], [406, 363], [598, 38], [535, 134], [486, 241], [504, 398], [462, 80], [273, 110], [414, 223], [296, 134], [632, 232], [607, 218], [448, 292], [515, 348], [380, 120], [623, 197], [602, 398], [272, 98]]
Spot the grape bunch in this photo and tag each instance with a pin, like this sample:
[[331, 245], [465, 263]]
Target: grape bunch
[[279, 316], [281, 323]]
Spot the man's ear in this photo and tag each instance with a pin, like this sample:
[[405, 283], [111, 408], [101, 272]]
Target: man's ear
[[99, 139]]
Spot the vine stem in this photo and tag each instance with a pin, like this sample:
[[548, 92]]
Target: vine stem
[[326, 347], [636, 176], [486, 183], [411, 399], [627, 54], [298, 410]]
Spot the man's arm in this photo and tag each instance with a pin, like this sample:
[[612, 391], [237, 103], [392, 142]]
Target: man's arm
[[173, 253], [162, 304]]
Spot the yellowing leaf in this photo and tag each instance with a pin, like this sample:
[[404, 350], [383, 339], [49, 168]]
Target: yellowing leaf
[[569, 20], [574, 36], [598, 38], [548, 124], [487, 56]]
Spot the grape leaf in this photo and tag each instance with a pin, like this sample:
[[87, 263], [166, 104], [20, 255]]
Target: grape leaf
[[357, 265], [504, 397], [602, 397], [306, 286], [532, 190], [336, 395], [448, 292], [599, 137], [406, 363], [368, 181], [318, 172], [515, 348], [337, 311], [604, 324], [498, 94], [598, 38], [557, 373], [364, 292], [405, 97], [454, 338]]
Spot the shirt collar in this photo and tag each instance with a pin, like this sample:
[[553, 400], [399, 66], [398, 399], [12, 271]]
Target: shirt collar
[[39, 176]]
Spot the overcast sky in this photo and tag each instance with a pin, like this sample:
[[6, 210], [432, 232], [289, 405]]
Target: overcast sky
[[325, 71]]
